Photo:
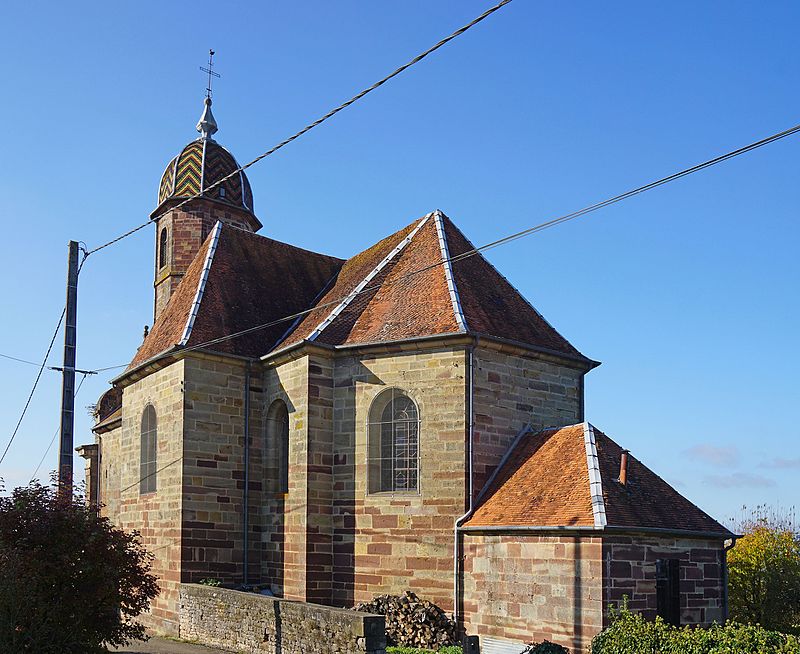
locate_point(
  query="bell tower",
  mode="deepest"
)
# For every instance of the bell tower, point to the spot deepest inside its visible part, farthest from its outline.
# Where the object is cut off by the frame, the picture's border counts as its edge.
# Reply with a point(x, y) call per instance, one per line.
point(200, 186)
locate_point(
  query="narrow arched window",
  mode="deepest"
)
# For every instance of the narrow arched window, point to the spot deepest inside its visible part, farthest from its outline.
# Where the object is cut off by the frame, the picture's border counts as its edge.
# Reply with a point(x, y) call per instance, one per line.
point(277, 468)
point(148, 458)
point(162, 248)
point(393, 443)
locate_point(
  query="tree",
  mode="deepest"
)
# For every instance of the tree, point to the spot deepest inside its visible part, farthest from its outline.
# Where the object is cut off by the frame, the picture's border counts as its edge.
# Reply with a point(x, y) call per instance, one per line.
point(70, 581)
point(764, 574)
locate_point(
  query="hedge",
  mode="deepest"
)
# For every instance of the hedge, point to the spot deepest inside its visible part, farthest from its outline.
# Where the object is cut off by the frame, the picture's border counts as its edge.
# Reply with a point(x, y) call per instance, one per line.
point(630, 633)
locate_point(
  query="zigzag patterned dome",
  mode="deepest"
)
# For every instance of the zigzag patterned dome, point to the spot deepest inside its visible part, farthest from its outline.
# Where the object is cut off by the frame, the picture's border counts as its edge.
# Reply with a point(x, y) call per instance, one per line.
point(202, 163)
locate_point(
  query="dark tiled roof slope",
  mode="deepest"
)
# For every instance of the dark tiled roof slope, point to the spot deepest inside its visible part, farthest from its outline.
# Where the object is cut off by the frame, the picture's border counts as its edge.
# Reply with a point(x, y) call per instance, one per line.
point(493, 306)
point(168, 328)
point(646, 500)
point(545, 483)
point(255, 280)
point(252, 280)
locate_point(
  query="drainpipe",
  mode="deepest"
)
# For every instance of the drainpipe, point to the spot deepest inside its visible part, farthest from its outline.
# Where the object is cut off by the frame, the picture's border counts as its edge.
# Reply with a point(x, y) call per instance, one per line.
point(246, 494)
point(457, 550)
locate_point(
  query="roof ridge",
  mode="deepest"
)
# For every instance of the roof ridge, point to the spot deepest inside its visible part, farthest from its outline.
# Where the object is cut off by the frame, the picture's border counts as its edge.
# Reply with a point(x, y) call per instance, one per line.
point(448, 272)
point(339, 308)
point(201, 286)
point(595, 478)
point(522, 295)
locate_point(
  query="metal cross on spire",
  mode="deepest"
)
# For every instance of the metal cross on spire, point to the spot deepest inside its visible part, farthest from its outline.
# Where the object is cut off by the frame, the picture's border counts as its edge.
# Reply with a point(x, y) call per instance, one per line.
point(210, 71)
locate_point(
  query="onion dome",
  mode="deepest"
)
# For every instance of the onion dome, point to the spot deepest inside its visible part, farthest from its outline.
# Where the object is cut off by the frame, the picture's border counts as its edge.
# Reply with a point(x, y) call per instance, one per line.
point(201, 164)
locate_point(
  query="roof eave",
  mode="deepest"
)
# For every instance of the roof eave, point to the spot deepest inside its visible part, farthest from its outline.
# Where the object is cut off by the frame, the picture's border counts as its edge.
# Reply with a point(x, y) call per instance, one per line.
point(107, 425)
point(449, 338)
point(606, 530)
point(585, 362)
point(169, 203)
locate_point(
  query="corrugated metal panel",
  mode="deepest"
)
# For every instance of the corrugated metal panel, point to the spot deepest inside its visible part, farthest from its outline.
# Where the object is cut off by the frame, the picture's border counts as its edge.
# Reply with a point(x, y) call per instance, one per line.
point(500, 646)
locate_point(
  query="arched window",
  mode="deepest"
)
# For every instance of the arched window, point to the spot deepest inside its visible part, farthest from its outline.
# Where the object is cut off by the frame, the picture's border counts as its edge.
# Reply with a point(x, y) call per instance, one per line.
point(149, 444)
point(162, 248)
point(277, 468)
point(393, 443)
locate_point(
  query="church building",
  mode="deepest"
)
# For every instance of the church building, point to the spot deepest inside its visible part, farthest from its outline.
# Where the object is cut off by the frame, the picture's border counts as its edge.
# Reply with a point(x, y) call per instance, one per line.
point(402, 419)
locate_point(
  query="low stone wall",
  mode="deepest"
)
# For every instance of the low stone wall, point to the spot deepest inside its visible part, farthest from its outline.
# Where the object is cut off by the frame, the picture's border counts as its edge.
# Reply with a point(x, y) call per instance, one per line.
point(251, 623)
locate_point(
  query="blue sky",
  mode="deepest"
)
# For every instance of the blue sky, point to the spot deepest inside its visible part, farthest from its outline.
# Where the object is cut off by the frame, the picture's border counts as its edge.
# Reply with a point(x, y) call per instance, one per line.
point(688, 294)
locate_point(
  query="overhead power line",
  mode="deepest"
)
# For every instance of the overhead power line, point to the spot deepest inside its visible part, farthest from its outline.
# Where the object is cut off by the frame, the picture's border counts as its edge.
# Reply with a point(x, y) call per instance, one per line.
point(35, 384)
point(58, 429)
point(319, 121)
point(507, 239)
point(39, 374)
point(91, 371)
point(30, 363)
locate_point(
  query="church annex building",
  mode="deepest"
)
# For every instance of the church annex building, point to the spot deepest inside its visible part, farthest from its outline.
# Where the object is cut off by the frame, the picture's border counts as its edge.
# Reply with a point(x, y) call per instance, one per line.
point(420, 427)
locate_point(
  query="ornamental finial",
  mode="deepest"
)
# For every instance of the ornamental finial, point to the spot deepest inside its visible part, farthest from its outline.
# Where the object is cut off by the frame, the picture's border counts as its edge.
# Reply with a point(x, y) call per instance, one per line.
point(207, 126)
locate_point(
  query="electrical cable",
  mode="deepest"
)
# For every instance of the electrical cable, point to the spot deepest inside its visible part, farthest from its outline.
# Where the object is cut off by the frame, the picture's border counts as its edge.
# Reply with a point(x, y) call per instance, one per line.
point(58, 429)
point(319, 121)
point(141, 479)
point(7, 356)
point(41, 369)
point(35, 384)
point(506, 239)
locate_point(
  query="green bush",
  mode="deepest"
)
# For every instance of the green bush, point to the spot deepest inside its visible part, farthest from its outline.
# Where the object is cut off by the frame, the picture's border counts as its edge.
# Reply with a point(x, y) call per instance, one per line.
point(630, 633)
point(764, 573)
point(70, 582)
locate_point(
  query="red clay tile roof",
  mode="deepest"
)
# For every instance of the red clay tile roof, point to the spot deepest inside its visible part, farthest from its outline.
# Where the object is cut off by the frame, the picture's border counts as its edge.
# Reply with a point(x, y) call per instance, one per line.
point(254, 280)
point(401, 304)
point(397, 305)
point(545, 483)
point(646, 500)
point(493, 306)
point(168, 328)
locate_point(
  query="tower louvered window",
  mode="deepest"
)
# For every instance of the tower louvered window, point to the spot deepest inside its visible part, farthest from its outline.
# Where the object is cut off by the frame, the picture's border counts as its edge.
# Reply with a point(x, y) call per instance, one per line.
point(393, 443)
point(149, 445)
point(162, 248)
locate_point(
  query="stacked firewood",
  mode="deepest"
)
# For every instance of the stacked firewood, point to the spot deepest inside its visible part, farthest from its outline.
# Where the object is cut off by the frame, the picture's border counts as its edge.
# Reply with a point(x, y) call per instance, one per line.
point(411, 621)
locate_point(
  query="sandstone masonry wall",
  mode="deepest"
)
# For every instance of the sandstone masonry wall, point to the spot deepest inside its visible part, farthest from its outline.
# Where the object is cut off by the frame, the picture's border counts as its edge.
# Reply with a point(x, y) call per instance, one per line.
point(156, 515)
point(283, 515)
point(523, 588)
point(512, 391)
point(109, 463)
point(389, 542)
point(246, 622)
point(213, 470)
point(630, 570)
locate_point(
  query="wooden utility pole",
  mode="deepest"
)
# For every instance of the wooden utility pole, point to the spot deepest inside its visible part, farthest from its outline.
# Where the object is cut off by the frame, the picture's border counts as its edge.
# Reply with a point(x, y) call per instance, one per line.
point(68, 375)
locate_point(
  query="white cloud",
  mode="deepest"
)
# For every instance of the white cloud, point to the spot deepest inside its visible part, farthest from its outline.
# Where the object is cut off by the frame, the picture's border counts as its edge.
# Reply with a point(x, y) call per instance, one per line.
point(713, 454)
point(739, 480)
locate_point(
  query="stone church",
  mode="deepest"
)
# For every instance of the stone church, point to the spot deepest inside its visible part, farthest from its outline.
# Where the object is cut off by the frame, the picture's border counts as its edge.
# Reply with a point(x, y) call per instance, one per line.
point(401, 419)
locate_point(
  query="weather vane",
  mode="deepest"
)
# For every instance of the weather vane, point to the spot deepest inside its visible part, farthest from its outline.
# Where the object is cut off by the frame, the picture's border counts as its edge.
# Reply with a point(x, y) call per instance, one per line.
point(210, 71)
